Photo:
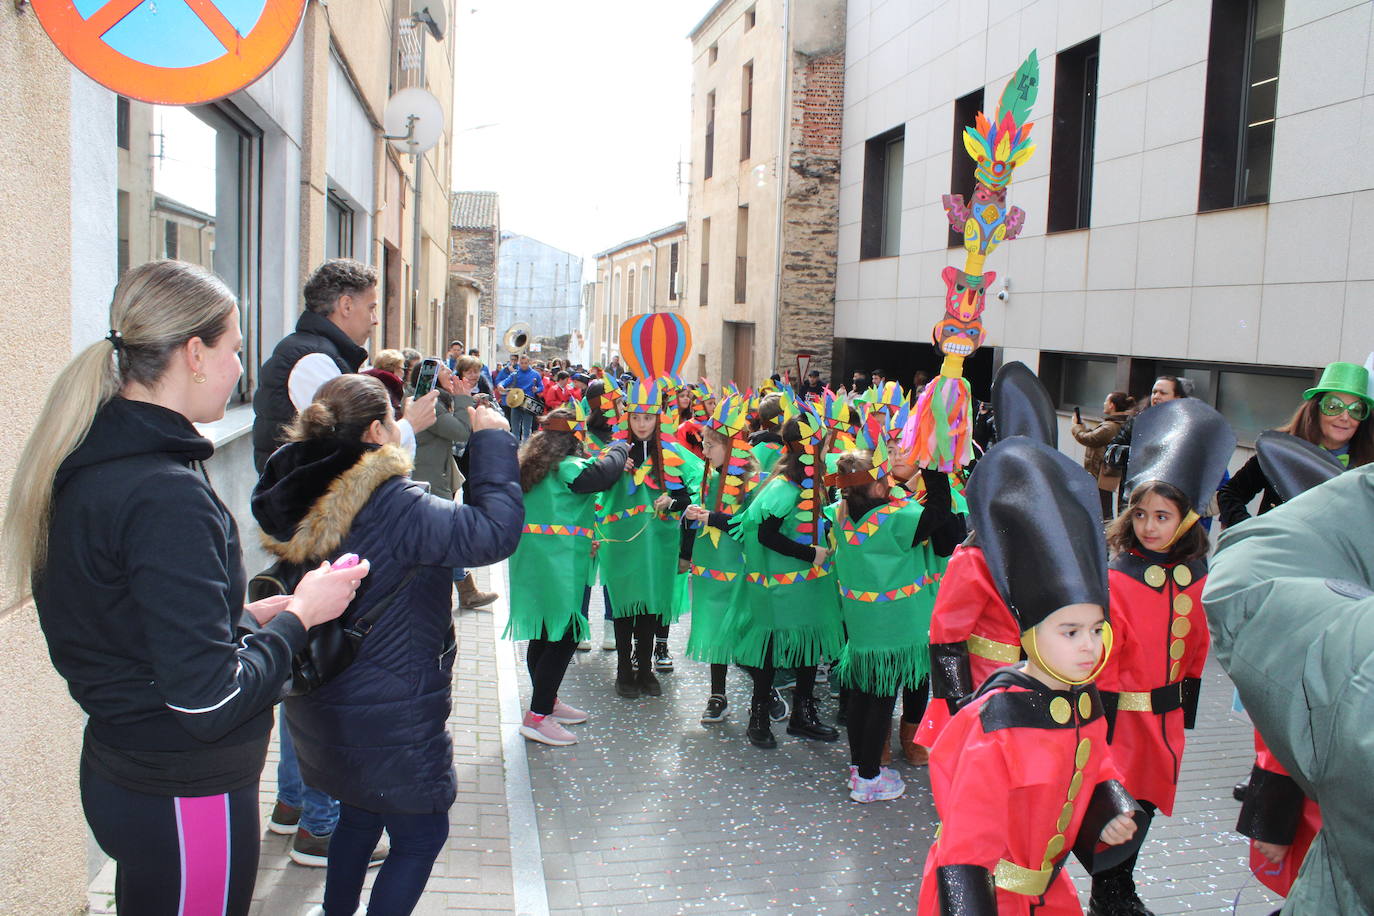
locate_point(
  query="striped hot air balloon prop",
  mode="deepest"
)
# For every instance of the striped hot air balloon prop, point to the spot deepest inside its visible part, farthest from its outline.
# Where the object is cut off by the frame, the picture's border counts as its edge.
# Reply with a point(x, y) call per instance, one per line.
point(655, 345)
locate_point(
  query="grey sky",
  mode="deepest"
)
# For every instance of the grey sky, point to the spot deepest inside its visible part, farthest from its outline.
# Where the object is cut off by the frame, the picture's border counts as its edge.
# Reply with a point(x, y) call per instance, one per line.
point(590, 101)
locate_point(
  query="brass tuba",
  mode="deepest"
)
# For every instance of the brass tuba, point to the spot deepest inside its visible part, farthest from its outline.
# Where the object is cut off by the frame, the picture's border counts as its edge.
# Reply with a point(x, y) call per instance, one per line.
point(517, 338)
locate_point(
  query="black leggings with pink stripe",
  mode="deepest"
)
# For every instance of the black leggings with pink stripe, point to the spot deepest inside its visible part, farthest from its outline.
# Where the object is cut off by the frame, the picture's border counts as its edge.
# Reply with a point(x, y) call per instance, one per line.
point(191, 856)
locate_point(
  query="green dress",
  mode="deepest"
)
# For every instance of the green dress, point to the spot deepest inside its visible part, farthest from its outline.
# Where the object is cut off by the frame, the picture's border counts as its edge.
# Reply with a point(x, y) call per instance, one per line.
point(789, 602)
point(717, 584)
point(767, 455)
point(552, 566)
point(887, 591)
point(639, 548)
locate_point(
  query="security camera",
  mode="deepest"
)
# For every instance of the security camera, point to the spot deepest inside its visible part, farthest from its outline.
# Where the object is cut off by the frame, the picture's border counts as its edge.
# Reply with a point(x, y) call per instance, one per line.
point(1003, 295)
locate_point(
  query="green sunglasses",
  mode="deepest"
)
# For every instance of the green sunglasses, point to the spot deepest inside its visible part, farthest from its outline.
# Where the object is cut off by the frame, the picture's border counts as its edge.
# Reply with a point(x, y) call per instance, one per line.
point(1332, 405)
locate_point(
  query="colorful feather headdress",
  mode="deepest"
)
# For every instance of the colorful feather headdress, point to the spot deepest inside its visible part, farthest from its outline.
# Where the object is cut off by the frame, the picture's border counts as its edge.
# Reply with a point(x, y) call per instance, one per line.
point(871, 437)
point(811, 455)
point(730, 420)
point(643, 397)
point(577, 426)
point(939, 433)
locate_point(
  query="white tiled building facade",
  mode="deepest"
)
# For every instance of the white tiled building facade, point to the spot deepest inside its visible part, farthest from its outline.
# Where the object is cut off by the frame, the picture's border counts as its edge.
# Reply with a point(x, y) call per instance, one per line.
point(1166, 274)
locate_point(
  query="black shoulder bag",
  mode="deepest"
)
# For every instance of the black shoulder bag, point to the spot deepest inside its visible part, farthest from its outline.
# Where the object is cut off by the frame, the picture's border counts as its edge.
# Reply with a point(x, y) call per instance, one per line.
point(330, 647)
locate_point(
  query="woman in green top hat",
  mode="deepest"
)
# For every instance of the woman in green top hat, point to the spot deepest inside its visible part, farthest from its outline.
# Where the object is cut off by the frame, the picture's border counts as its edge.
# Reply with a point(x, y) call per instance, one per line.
point(1334, 415)
point(553, 564)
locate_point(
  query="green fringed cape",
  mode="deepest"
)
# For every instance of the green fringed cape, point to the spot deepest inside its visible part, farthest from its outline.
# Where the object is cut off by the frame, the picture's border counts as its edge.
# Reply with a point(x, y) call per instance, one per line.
point(639, 549)
point(549, 572)
point(887, 592)
point(800, 616)
point(767, 455)
point(717, 579)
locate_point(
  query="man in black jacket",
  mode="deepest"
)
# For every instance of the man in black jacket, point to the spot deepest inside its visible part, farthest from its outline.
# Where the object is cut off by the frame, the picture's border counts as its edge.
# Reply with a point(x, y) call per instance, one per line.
point(340, 312)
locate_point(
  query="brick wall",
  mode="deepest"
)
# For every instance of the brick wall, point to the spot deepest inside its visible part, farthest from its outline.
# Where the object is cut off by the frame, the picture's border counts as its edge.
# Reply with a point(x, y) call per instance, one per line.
point(806, 319)
point(475, 254)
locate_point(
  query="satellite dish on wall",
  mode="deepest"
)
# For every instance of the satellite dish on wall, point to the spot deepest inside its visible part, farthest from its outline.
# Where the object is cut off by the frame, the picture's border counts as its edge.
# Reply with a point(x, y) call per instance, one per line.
point(432, 15)
point(414, 120)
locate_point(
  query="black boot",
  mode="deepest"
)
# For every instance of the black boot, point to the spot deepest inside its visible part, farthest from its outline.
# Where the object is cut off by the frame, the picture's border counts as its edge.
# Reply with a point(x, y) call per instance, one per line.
point(1114, 893)
point(805, 724)
point(760, 735)
point(644, 628)
point(626, 684)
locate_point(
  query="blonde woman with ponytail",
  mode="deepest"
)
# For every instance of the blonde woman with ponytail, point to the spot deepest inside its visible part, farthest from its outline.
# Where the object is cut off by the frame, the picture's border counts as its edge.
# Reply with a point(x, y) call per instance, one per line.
point(138, 579)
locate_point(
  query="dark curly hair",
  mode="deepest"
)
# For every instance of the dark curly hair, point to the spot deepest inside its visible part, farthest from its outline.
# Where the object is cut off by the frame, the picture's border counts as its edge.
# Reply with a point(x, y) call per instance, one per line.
point(334, 278)
point(1121, 532)
point(542, 452)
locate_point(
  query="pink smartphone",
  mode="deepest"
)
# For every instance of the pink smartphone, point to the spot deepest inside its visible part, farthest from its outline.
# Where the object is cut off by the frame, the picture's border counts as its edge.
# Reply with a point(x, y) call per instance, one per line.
point(346, 561)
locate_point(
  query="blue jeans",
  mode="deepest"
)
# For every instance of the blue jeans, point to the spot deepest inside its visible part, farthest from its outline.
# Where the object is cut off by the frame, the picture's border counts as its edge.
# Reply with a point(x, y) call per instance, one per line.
point(521, 423)
point(587, 602)
point(319, 812)
point(416, 841)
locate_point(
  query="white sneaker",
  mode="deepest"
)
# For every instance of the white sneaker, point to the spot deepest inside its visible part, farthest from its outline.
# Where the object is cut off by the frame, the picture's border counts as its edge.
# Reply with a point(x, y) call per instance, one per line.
point(318, 910)
point(875, 789)
point(584, 646)
point(608, 634)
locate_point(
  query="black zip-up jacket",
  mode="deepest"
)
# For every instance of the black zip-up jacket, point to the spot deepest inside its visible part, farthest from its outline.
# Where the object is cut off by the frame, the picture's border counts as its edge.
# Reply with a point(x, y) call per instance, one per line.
point(272, 407)
point(142, 606)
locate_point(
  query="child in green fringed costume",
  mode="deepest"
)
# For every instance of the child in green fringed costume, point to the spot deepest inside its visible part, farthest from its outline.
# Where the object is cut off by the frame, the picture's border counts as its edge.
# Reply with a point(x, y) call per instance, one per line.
point(602, 412)
point(791, 615)
point(638, 528)
point(887, 565)
point(715, 559)
point(764, 440)
point(553, 563)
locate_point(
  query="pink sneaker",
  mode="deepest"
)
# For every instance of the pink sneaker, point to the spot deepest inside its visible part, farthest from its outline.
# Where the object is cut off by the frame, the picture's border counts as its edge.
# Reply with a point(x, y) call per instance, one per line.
point(547, 730)
point(866, 791)
point(568, 715)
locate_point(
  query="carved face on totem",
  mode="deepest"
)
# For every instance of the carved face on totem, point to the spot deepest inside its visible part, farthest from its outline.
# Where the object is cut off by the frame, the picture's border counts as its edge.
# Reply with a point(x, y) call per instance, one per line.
point(958, 338)
point(965, 294)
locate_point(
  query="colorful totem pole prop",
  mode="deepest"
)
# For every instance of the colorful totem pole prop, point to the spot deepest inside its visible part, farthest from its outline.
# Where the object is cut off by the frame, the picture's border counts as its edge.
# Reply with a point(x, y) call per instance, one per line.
point(939, 434)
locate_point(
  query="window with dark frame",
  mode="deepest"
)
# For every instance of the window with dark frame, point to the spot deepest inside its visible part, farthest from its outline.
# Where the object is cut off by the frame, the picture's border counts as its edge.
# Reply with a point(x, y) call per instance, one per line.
point(710, 162)
point(741, 253)
point(338, 227)
point(750, 17)
point(630, 293)
point(705, 261)
point(746, 107)
point(672, 271)
point(1240, 103)
point(880, 226)
point(961, 169)
point(122, 122)
point(711, 54)
point(169, 239)
point(1075, 124)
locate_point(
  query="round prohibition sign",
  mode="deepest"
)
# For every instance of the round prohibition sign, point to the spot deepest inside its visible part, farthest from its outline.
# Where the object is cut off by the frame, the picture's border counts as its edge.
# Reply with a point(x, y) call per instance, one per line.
point(186, 53)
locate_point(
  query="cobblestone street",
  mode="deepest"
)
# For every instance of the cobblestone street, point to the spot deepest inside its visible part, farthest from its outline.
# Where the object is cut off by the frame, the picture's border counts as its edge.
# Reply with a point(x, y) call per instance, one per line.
point(653, 812)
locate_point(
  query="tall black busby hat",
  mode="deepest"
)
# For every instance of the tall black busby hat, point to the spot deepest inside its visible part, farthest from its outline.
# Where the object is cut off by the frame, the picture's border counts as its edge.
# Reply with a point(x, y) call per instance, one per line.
point(1184, 443)
point(1294, 465)
point(1039, 522)
point(1022, 407)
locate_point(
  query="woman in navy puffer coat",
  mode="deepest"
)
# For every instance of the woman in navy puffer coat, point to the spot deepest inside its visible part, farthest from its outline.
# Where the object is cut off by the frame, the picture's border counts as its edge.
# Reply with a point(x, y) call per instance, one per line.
point(376, 737)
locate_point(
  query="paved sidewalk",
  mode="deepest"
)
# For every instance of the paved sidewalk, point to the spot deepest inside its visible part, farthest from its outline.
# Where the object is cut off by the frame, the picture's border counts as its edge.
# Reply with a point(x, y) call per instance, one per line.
point(652, 812)
point(473, 874)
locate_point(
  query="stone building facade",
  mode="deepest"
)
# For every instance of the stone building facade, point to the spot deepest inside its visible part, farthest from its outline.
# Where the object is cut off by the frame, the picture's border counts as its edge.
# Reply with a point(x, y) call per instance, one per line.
point(475, 230)
point(644, 274)
point(289, 170)
point(767, 100)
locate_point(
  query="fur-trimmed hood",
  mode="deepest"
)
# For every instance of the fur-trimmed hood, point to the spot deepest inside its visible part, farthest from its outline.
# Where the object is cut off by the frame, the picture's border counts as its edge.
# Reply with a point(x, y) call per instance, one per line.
point(310, 492)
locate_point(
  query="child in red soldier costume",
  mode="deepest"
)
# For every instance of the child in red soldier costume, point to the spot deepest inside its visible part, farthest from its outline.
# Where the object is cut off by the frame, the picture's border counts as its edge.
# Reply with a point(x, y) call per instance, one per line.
point(1022, 774)
point(972, 633)
point(1279, 819)
point(1179, 452)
